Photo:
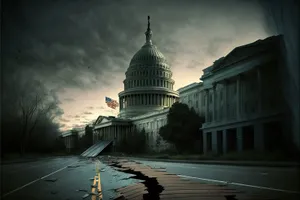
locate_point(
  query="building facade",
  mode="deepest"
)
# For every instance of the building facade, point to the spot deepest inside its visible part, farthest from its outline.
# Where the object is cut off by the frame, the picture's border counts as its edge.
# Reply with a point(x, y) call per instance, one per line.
point(70, 139)
point(192, 95)
point(243, 100)
point(240, 96)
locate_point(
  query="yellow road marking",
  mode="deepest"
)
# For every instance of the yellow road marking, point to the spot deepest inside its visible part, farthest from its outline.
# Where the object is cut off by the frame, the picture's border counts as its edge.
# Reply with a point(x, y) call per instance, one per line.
point(97, 183)
point(94, 197)
point(99, 187)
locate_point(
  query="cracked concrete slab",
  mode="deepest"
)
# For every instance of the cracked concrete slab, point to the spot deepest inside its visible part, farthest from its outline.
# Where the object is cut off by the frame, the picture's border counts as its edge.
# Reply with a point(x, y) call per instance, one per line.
point(157, 184)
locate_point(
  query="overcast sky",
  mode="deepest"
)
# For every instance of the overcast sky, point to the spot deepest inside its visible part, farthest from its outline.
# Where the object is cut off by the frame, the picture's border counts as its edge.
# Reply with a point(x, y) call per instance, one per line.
point(82, 48)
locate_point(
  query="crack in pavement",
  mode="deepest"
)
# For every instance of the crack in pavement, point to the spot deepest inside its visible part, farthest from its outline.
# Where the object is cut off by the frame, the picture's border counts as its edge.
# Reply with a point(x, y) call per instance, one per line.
point(158, 184)
point(152, 185)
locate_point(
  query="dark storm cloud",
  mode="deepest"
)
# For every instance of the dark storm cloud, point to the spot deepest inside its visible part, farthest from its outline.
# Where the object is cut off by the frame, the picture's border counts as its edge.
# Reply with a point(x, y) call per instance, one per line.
point(83, 43)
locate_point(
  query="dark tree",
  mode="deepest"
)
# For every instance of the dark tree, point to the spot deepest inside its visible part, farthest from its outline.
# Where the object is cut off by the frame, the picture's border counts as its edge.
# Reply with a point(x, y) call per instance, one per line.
point(182, 128)
point(134, 143)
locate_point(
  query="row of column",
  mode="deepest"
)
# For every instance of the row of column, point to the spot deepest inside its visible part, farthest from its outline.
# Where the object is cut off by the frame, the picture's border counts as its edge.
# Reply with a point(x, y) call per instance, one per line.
point(158, 72)
point(147, 83)
point(70, 142)
point(147, 99)
point(215, 105)
point(216, 142)
point(115, 132)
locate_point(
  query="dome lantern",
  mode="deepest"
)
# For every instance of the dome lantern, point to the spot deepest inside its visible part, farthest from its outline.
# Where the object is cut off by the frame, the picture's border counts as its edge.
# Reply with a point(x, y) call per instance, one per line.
point(148, 33)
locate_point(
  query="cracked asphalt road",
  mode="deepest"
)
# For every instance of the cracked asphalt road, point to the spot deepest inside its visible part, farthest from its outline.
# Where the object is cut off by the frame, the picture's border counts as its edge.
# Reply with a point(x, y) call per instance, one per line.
point(69, 178)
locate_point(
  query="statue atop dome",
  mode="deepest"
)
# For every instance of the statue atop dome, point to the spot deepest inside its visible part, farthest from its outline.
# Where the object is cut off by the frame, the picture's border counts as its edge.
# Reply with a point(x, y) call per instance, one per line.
point(148, 33)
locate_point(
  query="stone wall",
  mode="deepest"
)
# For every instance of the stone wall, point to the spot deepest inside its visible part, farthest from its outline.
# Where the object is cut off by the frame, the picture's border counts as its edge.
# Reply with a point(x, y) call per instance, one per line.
point(152, 122)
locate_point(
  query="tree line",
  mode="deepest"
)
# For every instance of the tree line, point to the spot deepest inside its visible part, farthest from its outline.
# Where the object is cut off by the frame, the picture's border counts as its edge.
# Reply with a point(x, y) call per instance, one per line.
point(28, 117)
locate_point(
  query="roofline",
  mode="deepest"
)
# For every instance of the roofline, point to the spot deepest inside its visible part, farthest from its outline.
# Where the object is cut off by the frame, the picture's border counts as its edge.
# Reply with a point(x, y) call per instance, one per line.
point(190, 86)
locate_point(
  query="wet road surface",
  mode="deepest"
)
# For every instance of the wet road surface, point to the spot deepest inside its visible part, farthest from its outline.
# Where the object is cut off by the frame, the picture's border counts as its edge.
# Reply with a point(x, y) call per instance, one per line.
point(69, 178)
point(275, 182)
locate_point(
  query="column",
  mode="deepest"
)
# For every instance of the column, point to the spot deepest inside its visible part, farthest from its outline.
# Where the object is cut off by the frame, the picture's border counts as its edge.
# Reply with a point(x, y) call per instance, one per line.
point(159, 99)
point(225, 100)
point(238, 97)
point(259, 90)
point(204, 142)
point(224, 139)
point(144, 98)
point(120, 100)
point(125, 103)
point(214, 141)
point(166, 100)
point(207, 105)
point(213, 103)
point(239, 139)
point(258, 137)
point(133, 100)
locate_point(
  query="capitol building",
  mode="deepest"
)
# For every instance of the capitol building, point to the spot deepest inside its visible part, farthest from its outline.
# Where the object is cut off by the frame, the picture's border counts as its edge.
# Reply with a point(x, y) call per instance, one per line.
point(240, 96)
point(148, 93)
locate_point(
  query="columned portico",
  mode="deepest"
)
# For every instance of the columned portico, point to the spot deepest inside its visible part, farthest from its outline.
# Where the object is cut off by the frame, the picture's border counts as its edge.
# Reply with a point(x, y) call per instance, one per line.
point(245, 100)
point(113, 129)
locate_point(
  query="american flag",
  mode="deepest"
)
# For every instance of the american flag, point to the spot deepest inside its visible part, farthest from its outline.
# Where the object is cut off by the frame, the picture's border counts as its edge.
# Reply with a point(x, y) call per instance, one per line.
point(111, 103)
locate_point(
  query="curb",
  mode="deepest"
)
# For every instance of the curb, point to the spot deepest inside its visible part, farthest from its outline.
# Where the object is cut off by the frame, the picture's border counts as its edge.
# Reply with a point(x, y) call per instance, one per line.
point(232, 163)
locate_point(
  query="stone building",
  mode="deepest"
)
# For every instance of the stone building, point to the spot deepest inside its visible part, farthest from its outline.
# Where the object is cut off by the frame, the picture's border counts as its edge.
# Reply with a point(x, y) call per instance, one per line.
point(240, 96)
point(243, 101)
point(192, 96)
point(148, 93)
point(70, 139)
